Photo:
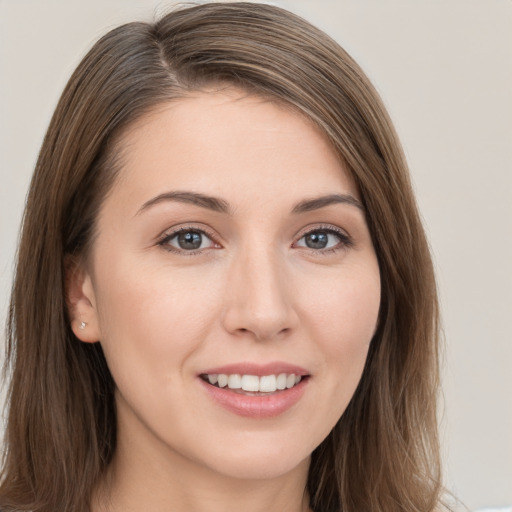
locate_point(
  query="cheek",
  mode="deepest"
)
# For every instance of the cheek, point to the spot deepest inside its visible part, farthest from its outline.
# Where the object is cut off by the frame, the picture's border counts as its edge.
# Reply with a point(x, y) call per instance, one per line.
point(153, 316)
point(343, 320)
point(345, 310)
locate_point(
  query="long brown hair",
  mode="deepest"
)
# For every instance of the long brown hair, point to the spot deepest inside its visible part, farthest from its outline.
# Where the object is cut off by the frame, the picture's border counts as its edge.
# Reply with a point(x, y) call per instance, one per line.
point(383, 454)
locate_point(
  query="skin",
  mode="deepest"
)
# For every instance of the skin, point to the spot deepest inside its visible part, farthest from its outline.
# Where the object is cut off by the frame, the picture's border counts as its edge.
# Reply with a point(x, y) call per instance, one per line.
point(254, 291)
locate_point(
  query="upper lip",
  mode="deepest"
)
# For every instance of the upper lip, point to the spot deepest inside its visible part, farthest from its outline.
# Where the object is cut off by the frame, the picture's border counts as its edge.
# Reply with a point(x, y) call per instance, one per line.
point(250, 368)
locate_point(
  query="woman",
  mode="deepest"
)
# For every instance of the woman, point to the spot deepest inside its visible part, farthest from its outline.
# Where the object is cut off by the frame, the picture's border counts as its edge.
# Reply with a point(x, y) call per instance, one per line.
point(224, 295)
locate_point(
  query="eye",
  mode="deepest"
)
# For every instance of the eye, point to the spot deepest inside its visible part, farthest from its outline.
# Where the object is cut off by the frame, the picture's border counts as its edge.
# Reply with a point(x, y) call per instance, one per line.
point(187, 240)
point(324, 239)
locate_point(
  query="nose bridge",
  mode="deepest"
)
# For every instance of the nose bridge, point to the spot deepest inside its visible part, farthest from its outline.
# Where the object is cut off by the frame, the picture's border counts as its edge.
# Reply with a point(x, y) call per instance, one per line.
point(258, 298)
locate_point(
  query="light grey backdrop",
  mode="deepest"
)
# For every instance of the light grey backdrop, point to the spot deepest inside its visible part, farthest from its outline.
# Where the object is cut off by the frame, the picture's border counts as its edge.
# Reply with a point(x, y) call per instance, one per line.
point(444, 69)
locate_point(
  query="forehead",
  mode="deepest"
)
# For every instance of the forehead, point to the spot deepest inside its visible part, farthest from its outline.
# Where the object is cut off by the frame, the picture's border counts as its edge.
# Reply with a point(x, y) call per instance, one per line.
point(214, 141)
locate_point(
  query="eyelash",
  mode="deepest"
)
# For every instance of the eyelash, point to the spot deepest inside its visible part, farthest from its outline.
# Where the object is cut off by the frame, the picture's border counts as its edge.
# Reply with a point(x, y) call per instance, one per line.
point(167, 237)
point(345, 241)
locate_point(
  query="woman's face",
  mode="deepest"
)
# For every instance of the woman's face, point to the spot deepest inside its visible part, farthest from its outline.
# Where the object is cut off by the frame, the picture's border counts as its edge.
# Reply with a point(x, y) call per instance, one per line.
point(232, 248)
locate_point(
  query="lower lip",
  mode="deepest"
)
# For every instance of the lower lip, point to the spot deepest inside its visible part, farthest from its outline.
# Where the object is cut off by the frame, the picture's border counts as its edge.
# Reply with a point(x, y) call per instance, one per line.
point(256, 406)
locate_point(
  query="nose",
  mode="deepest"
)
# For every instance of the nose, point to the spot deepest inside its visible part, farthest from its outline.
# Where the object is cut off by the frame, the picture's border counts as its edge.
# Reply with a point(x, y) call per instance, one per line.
point(258, 297)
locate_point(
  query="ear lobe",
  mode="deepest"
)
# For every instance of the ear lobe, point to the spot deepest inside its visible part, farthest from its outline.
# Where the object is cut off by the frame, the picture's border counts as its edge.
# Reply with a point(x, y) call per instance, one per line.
point(81, 303)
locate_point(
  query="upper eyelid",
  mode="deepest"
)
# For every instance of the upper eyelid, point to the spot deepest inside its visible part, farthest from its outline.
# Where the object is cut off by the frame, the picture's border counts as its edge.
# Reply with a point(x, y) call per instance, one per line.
point(323, 227)
point(171, 232)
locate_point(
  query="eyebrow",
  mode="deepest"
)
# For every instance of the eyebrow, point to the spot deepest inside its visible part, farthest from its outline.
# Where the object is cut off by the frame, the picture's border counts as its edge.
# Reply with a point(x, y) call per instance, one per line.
point(211, 203)
point(221, 206)
point(321, 202)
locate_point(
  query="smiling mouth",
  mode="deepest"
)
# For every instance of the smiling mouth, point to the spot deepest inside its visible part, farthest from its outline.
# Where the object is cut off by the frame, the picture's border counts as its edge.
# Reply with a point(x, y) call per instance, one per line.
point(253, 385)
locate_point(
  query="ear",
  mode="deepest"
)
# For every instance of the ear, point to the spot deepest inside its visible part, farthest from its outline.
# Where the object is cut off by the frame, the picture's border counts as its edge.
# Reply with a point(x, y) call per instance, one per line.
point(81, 302)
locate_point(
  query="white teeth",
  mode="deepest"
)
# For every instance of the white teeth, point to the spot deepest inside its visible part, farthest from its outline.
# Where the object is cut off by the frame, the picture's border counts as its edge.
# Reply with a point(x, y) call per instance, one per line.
point(222, 380)
point(281, 381)
point(250, 383)
point(235, 381)
point(268, 383)
point(253, 383)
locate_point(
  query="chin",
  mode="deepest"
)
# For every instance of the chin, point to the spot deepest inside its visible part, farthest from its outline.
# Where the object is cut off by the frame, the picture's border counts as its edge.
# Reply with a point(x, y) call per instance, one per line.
point(262, 468)
point(258, 459)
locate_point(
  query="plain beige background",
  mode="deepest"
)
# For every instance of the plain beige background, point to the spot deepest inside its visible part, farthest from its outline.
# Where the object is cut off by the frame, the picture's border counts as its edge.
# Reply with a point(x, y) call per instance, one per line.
point(444, 69)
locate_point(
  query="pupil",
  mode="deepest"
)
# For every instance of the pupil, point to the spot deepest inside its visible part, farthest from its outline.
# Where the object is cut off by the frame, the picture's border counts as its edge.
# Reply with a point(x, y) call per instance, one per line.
point(189, 240)
point(317, 240)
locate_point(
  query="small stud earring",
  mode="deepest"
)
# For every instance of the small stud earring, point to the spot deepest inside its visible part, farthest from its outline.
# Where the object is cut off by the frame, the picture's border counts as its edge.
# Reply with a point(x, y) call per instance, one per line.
point(82, 325)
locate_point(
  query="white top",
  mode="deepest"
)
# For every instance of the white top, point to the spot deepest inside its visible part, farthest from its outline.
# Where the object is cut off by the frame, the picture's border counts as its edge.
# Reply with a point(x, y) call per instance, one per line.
point(502, 509)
